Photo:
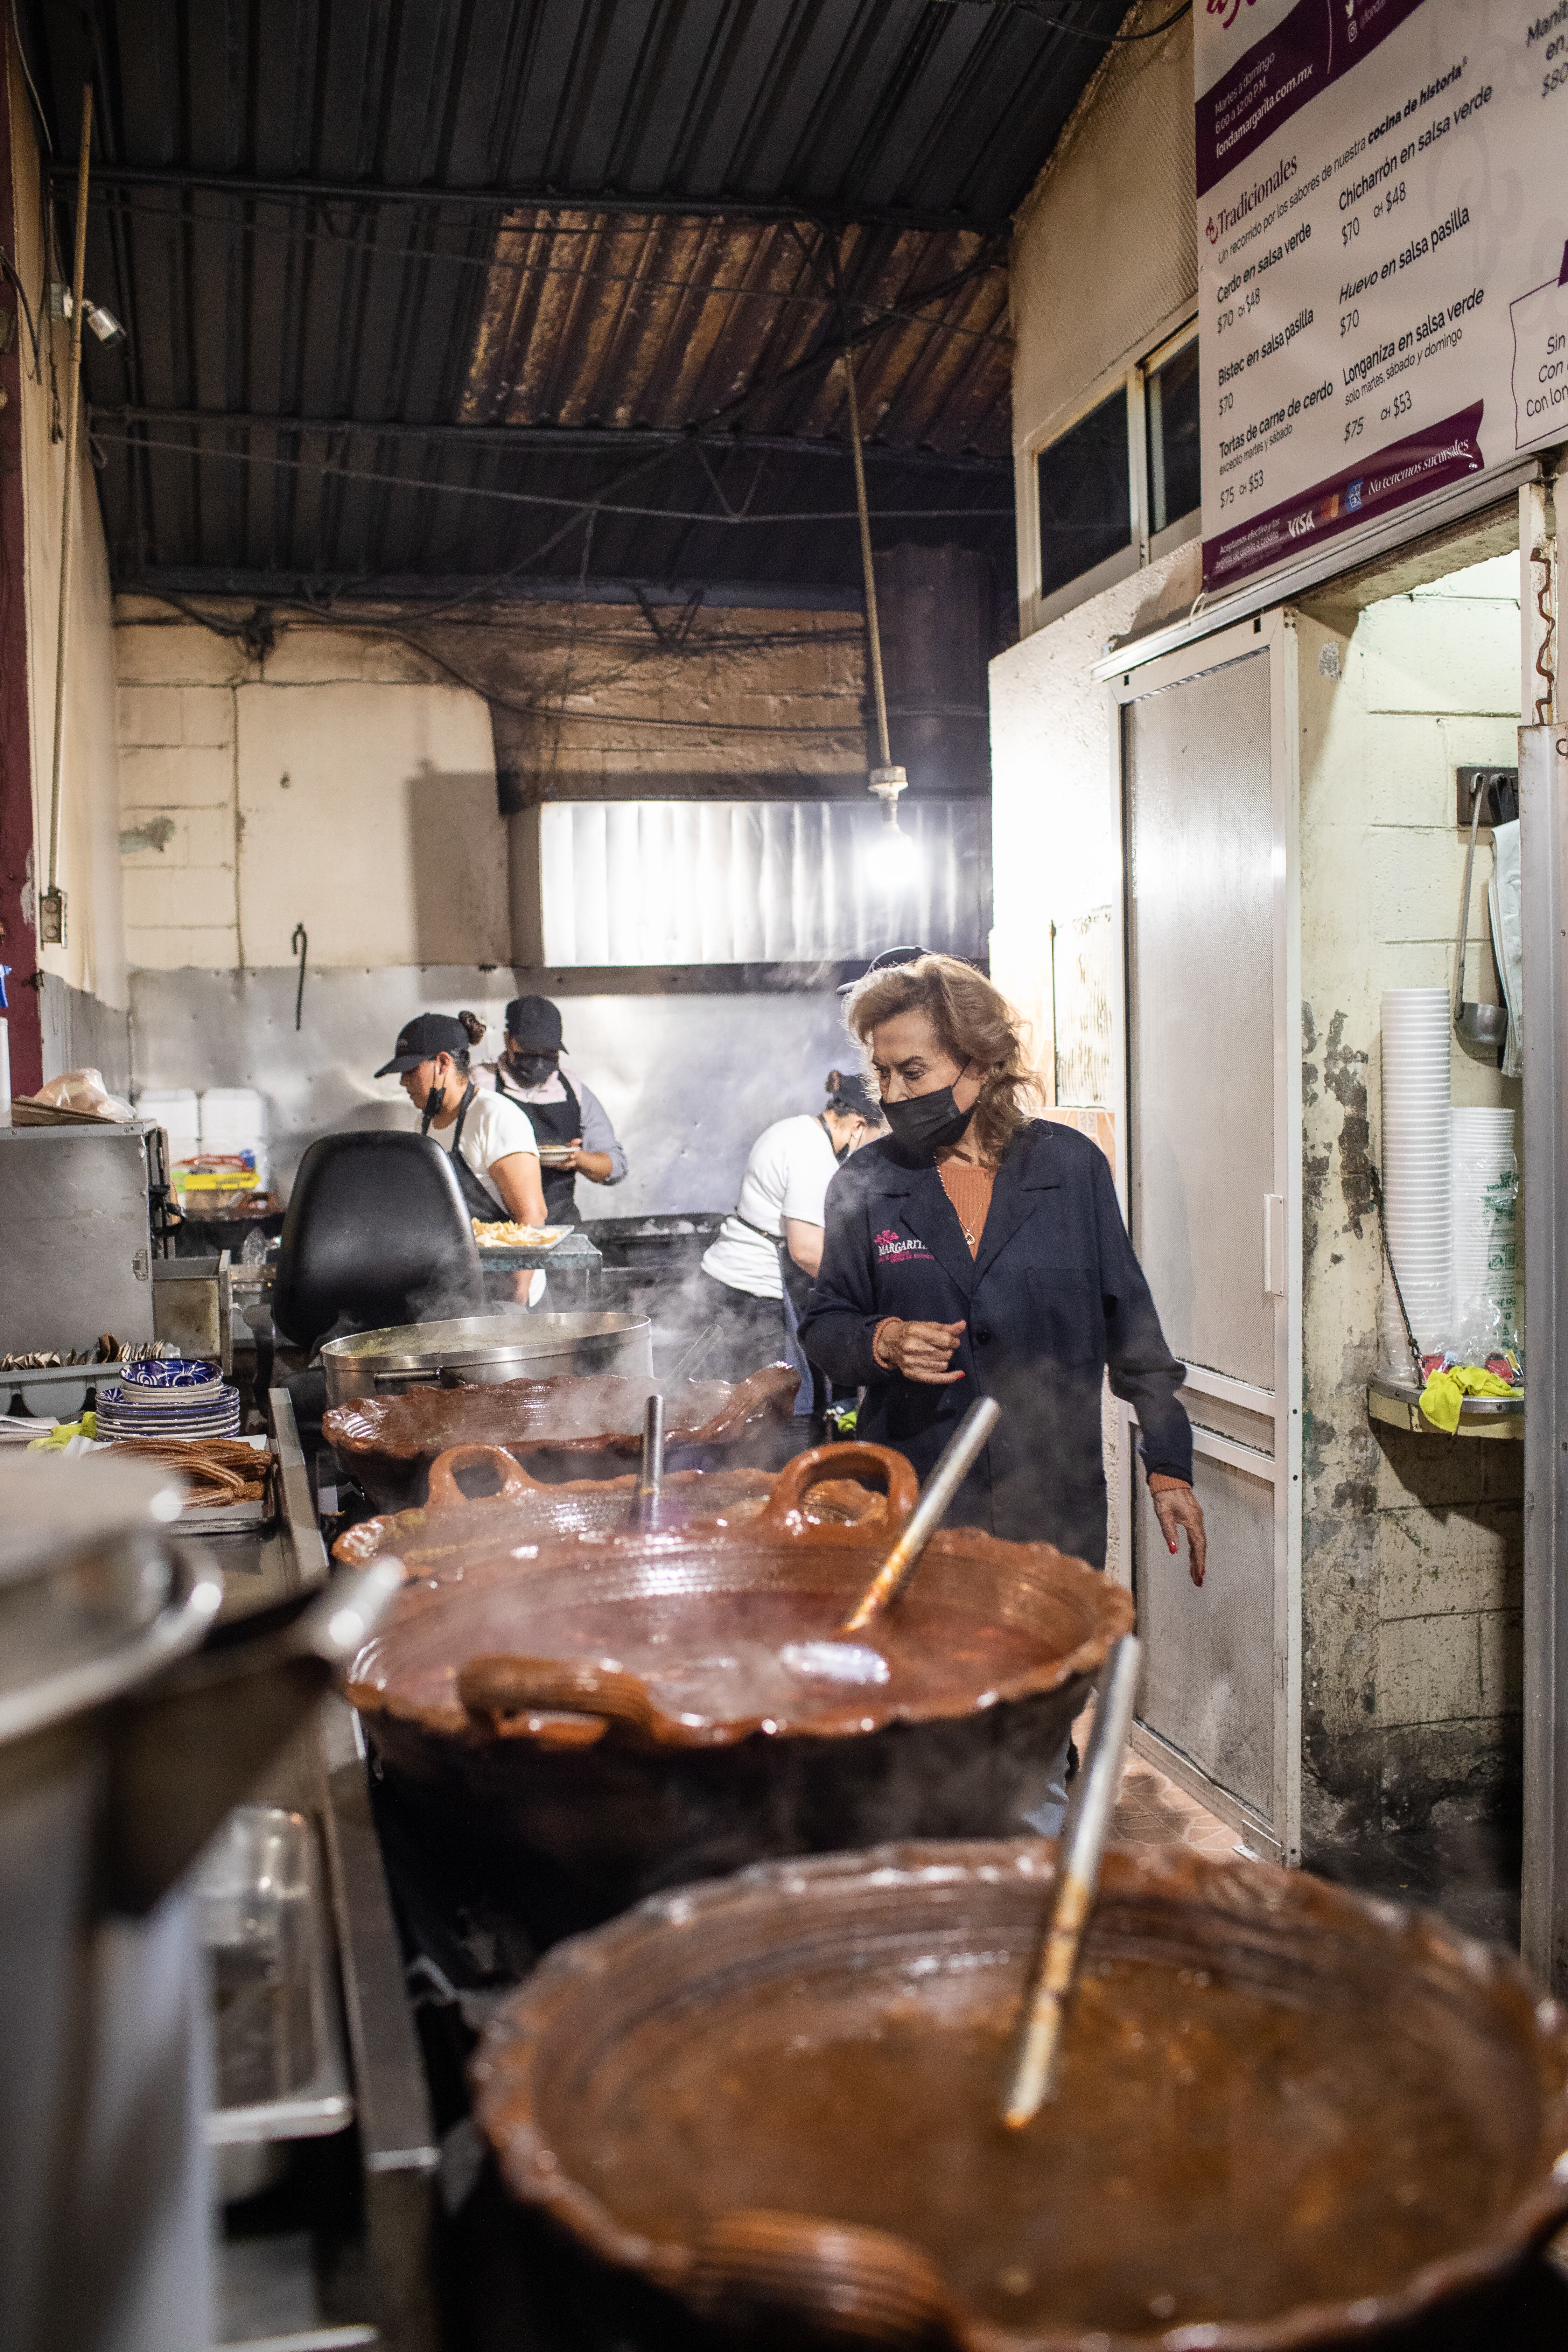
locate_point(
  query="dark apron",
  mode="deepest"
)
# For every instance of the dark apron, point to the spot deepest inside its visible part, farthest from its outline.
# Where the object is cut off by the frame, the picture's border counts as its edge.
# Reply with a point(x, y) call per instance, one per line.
point(481, 1202)
point(559, 1122)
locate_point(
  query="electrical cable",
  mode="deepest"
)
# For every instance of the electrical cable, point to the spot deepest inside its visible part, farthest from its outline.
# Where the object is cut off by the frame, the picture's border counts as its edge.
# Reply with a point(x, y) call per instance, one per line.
point(32, 85)
point(493, 265)
point(327, 470)
point(10, 270)
point(222, 626)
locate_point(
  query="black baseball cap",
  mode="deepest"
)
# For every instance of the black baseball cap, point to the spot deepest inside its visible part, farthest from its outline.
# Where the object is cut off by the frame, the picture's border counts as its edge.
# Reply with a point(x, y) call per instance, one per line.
point(888, 960)
point(849, 1092)
point(421, 1039)
point(533, 1023)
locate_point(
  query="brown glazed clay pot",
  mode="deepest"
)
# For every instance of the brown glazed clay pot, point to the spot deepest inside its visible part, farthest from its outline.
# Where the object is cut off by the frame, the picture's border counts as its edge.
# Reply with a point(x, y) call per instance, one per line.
point(1286, 2116)
point(616, 1718)
point(576, 1427)
point(455, 1530)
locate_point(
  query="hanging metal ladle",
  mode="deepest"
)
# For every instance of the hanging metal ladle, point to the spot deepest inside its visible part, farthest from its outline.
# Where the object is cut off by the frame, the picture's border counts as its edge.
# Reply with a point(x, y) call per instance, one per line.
point(1479, 1028)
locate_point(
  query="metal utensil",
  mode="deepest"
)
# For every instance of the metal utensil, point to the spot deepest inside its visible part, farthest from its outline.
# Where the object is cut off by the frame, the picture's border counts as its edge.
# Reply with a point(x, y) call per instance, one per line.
point(1083, 1849)
point(644, 1512)
point(1479, 1028)
point(928, 1513)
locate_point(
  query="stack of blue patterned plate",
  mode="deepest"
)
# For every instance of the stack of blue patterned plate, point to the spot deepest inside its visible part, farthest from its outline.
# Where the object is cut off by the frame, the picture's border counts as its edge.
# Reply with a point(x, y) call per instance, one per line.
point(168, 1397)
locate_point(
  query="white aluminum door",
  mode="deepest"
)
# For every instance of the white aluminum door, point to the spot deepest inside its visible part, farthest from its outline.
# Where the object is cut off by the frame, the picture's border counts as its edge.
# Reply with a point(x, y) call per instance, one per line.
point(1207, 775)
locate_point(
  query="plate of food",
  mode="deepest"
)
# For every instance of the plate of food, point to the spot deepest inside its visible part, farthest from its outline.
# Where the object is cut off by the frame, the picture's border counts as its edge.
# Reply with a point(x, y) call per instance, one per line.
point(506, 1233)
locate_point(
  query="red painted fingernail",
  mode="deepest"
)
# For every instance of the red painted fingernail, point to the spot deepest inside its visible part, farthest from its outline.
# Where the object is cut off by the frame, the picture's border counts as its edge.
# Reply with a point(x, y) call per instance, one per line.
point(1172, 1547)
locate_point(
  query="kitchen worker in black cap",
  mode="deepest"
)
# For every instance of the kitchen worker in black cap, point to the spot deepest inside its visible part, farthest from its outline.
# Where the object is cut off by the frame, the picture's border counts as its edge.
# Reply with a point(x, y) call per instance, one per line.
point(571, 1123)
point(495, 1156)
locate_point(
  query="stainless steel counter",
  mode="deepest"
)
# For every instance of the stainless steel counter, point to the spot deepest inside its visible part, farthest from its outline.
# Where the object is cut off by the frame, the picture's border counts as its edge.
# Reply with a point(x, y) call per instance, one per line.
point(287, 2283)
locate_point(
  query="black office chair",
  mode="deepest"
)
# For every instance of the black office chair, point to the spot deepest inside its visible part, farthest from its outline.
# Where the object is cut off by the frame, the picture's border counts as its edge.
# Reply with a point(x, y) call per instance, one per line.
point(376, 1233)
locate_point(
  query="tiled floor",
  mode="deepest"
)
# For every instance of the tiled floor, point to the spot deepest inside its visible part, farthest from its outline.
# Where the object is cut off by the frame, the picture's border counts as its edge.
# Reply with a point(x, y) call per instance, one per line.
point(1151, 1813)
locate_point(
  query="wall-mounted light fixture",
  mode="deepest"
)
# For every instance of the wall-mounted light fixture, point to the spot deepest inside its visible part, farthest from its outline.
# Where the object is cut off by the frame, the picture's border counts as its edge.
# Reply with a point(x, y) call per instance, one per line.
point(103, 323)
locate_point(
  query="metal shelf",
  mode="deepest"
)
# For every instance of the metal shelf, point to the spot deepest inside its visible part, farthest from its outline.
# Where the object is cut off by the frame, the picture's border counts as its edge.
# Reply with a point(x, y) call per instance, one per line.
point(1398, 1404)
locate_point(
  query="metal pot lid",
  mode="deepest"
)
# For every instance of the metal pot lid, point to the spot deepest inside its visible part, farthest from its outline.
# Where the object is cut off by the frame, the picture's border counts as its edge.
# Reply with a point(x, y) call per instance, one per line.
point(52, 1511)
point(476, 1339)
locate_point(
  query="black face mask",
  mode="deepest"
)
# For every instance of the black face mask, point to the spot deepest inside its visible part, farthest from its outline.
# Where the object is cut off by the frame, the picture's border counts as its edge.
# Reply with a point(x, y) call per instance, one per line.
point(435, 1103)
point(923, 1124)
point(531, 1069)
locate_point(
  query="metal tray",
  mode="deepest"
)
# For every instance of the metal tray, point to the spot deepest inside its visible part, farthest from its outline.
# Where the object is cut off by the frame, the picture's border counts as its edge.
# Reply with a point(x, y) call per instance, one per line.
point(280, 2072)
point(1398, 1404)
point(506, 1345)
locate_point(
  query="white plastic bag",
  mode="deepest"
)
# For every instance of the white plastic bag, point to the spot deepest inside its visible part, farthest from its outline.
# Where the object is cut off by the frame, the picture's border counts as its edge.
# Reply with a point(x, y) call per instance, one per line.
point(84, 1090)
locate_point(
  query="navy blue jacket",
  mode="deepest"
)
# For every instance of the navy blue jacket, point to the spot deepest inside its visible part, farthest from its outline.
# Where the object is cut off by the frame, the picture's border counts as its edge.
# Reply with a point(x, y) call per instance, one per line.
point(1054, 1298)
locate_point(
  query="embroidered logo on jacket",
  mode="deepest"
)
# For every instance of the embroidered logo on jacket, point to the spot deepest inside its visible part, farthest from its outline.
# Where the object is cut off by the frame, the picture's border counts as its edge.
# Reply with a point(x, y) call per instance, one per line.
point(889, 1245)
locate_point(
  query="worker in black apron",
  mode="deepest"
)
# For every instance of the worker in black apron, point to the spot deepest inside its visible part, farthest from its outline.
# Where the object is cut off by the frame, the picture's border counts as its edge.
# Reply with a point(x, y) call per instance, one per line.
point(574, 1131)
point(490, 1138)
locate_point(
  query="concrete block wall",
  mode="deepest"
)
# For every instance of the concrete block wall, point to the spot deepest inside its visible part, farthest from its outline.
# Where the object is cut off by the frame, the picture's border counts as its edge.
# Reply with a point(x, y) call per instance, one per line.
point(1412, 1546)
point(337, 780)
point(348, 780)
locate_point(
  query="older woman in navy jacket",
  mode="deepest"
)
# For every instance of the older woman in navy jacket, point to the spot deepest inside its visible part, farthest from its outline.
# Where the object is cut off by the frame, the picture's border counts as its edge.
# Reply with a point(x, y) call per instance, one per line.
point(979, 1251)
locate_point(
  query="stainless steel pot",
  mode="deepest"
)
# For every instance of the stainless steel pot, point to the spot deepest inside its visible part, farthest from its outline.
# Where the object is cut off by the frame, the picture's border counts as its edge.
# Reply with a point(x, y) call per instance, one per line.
point(129, 1726)
point(486, 1347)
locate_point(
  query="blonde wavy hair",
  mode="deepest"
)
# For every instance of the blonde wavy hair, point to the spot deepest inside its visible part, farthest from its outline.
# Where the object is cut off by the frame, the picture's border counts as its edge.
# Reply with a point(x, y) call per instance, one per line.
point(974, 1023)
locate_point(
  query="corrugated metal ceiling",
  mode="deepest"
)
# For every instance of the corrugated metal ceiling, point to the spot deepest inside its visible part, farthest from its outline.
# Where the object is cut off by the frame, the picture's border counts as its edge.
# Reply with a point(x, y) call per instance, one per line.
point(343, 235)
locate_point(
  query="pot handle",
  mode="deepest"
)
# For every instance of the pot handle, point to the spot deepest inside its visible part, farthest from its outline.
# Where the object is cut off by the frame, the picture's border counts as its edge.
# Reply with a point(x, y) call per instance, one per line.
point(759, 2272)
point(500, 1688)
point(891, 1470)
point(446, 1494)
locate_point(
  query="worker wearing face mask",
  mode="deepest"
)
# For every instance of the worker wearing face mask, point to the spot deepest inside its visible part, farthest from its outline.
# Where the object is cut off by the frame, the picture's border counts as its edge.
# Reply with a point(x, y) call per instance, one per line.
point(576, 1138)
point(757, 1273)
point(494, 1156)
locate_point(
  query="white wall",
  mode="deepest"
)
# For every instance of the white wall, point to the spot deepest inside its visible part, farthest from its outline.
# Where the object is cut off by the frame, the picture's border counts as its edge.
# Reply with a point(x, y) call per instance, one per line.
point(1104, 255)
point(338, 782)
point(92, 959)
point(1056, 830)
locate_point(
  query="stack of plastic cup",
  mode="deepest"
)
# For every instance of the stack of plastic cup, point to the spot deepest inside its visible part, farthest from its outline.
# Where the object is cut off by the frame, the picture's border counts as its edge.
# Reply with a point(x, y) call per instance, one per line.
point(1417, 1170)
point(1485, 1200)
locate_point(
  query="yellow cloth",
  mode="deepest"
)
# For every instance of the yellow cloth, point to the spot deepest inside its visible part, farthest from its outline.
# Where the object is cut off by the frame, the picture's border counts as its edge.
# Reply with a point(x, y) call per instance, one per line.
point(1441, 1397)
point(60, 1436)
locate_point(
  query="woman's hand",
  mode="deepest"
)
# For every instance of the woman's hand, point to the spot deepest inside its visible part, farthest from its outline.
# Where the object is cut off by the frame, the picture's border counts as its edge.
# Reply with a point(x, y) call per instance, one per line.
point(1176, 1507)
point(919, 1350)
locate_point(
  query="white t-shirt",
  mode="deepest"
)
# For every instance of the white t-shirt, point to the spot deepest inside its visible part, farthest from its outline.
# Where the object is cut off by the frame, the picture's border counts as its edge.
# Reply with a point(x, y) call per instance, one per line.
point(787, 1175)
point(493, 1128)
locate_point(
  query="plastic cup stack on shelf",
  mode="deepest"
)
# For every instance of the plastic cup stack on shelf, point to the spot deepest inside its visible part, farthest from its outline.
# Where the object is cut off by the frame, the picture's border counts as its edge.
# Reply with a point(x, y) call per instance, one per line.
point(1485, 1208)
point(1417, 1172)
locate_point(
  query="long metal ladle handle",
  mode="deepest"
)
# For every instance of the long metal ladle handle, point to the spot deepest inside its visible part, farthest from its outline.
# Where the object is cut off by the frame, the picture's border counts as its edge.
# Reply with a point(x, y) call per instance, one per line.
point(1044, 2008)
point(1476, 790)
point(650, 1472)
point(928, 1513)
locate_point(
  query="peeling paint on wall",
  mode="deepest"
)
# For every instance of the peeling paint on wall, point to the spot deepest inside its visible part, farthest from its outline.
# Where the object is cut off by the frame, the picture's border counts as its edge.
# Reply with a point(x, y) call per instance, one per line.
point(156, 833)
point(1411, 1547)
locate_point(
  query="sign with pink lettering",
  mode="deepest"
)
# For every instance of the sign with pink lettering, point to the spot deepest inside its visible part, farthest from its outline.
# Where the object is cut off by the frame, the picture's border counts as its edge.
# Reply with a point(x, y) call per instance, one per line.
point(1383, 259)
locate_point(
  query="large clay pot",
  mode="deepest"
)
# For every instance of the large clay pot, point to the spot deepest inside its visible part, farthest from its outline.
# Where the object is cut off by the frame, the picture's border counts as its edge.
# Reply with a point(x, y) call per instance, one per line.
point(457, 1530)
point(612, 1716)
point(564, 1429)
point(1287, 2115)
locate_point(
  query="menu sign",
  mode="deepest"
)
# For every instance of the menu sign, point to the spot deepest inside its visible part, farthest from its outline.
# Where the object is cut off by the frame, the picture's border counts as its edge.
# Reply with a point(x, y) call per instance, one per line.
point(1382, 259)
